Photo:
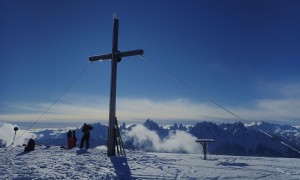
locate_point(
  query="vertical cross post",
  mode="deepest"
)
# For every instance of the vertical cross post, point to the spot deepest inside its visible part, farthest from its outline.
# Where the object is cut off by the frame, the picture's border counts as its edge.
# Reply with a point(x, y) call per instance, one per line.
point(115, 57)
point(113, 91)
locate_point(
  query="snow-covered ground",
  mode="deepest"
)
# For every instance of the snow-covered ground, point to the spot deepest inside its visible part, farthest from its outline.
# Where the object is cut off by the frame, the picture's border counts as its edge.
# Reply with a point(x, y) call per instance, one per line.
point(57, 163)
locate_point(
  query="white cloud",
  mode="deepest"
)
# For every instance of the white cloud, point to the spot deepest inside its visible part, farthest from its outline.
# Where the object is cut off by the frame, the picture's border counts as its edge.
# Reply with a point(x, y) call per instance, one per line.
point(7, 134)
point(96, 108)
point(291, 90)
point(273, 109)
point(177, 142)
point(79, 108)
point(73, 109)
point(178, 109)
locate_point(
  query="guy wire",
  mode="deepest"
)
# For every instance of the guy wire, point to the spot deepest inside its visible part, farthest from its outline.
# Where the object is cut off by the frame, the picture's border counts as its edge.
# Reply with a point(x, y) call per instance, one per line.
point(56, 100)
point(162, 71)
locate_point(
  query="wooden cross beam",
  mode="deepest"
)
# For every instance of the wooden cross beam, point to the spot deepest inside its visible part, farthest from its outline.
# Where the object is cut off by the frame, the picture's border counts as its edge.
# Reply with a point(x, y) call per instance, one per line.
point(116, 57)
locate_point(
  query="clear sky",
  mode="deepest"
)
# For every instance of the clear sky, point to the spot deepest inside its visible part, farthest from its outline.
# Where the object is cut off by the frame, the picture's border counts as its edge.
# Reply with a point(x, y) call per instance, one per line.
point(242, 54)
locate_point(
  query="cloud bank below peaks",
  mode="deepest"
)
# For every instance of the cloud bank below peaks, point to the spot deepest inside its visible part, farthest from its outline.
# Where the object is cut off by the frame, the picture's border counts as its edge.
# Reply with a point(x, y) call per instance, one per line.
point(177, 142)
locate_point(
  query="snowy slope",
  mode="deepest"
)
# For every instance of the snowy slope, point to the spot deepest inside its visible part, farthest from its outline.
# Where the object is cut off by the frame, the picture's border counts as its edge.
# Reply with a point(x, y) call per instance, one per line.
point(57, 163)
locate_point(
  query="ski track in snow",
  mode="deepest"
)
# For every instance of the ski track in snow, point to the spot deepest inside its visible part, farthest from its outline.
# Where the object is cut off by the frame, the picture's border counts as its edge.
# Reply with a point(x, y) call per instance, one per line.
point(57, 163)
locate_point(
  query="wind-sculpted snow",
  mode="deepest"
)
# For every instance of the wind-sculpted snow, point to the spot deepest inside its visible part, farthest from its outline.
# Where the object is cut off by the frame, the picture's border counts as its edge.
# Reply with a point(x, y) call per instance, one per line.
point(58, 163)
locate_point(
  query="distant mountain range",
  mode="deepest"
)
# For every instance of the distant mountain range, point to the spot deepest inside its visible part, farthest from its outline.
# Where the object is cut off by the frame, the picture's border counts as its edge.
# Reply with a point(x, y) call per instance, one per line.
point(230, 139)
point(239, 139)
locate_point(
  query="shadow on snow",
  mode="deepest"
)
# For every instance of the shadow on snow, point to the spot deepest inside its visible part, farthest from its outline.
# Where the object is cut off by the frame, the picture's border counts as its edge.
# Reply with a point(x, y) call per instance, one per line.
point(82, 151)
point(232, 164)
point(22, 153)
point(121, 167)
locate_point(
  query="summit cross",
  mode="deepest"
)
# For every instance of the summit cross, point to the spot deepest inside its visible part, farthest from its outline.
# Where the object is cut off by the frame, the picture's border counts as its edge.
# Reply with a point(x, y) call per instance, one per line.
point(115, 57)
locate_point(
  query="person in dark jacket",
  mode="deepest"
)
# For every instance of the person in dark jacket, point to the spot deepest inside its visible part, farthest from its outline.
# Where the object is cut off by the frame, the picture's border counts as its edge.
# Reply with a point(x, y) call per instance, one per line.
point(86, 135)
point(30, 146)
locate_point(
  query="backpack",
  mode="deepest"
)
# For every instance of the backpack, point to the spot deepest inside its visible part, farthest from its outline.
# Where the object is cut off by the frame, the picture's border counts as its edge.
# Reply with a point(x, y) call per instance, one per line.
point(71, 143)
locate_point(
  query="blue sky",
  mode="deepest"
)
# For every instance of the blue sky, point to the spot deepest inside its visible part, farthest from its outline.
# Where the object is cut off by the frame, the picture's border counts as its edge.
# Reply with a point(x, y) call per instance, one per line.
point(242, 54)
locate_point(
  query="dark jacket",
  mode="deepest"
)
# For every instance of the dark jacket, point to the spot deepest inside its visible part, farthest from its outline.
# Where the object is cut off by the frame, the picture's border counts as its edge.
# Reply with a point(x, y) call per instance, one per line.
point(86, 129)
point(30, 146)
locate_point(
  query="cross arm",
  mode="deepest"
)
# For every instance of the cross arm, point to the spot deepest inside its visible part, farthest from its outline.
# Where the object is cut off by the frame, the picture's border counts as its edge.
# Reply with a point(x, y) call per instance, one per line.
point(100, 57)
point(130, 53)
point(117, 54)
point(205, 140)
